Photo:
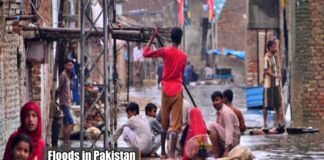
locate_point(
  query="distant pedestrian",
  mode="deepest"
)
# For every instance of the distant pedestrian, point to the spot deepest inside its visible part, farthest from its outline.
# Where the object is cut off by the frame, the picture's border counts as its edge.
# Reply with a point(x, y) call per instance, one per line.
point(187, 73)
point(208, 72)
point(194, 75)
point(65, 98)
point(174, 61)
point(272, 96)
point(138, 58)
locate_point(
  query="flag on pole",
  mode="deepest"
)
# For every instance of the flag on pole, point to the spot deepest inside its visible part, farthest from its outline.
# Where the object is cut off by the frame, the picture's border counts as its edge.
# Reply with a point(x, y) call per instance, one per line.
point(186, 13)
point(211, 10)
point(218, 6)
point(283, 4)
point(181, 11)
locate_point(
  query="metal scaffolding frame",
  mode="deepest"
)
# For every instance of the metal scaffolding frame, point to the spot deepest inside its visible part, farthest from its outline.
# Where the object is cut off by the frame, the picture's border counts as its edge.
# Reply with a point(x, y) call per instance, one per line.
point(87, 20)
point(107, 34)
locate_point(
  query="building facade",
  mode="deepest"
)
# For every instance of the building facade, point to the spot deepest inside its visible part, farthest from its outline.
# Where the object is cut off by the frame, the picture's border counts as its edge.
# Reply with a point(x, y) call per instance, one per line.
point(306, 50)
point(21, 80)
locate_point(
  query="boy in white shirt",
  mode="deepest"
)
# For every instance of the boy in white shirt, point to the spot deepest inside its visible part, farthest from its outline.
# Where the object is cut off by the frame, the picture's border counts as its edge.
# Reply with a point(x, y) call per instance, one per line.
point(136, 131)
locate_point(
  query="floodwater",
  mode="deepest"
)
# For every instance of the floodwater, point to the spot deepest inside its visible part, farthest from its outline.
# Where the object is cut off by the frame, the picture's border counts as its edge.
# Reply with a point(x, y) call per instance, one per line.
point(303, 146)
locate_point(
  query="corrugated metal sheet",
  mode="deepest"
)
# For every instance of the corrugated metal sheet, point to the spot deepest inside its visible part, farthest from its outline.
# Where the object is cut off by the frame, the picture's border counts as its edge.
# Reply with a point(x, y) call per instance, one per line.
point(254, 97)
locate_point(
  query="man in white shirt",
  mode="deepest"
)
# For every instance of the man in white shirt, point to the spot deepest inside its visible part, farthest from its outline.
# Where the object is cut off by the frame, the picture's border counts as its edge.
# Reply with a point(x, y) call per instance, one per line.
point(208, 72)
point(138, 57)
point(136, 131)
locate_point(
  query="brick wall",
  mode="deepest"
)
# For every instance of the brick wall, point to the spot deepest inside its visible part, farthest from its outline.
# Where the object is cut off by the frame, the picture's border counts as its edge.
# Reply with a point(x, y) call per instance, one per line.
point(193, 34)
point(13, 74)
point(12, 85)
point(232, 25)
point(44, 10)
point(232, 33)
point(11, 8)
point(12, 79)
point(307, 91)
point(251, 61)
point(2, 19)
point(35, 82)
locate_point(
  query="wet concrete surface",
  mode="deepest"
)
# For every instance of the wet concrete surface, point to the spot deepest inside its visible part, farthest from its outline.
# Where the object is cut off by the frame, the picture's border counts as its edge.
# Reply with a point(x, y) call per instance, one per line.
point(304, 146)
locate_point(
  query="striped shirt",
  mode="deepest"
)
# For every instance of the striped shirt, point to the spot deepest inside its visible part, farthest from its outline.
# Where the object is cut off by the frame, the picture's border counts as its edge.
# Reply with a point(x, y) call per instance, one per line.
point(270, 63)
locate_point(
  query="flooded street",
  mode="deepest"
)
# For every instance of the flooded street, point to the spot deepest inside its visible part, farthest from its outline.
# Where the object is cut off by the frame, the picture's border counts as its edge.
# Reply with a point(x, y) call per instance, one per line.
point(304, 146)
point(201, 94)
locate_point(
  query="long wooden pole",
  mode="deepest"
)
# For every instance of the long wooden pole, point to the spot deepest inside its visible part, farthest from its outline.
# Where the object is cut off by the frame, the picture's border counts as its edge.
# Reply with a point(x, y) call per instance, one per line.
point(258, 58)
point(281, 49)
point(128, 70)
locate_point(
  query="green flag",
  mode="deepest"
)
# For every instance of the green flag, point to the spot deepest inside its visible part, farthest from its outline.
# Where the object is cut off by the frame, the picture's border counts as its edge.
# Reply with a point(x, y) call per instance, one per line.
point(186, 13)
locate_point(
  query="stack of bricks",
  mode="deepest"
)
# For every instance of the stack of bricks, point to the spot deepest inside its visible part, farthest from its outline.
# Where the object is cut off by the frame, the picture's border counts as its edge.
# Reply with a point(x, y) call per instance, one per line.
point(307, 94)
point(11, 8)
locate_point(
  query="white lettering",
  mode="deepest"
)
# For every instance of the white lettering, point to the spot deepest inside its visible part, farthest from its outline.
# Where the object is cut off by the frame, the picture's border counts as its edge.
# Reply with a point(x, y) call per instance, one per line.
point(76, 156)
point(96, 154)
point(58, 156)
point(108, 155)
point(116, 155)
point(50, 155)
point(86, 155)
point(132, 155)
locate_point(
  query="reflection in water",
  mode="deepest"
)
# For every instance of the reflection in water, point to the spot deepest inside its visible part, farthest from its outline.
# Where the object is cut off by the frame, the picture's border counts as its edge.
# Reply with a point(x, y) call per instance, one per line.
point(305, 146)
